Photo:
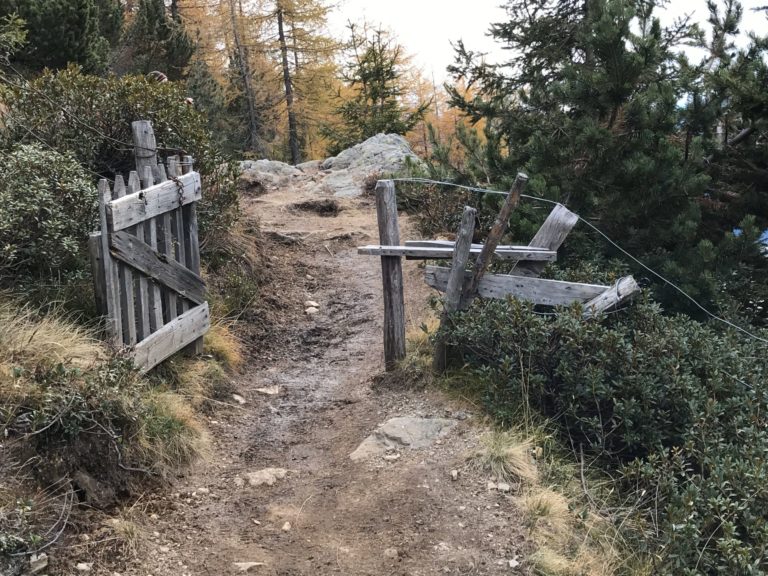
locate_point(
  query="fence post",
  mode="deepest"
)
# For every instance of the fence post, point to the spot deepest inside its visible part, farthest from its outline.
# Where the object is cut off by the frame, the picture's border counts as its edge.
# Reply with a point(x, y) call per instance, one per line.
point(111, 280)
point(455, 287)
point(392, 275)
point(189, 237)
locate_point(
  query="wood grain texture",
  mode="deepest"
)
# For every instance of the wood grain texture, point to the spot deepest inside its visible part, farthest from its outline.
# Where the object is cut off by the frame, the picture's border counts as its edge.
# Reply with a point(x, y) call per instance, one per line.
point(535, 290)
point(154, 201)
point(439, 253)
point(451, 244)
point(497, 231)
point(455, 282)
point(192, 243)
point(111, 277)
point(550, 236)
point(158, 266)
point(623, 289)
point(172, 337)
point(392, 275)
point(127, 292)
point(97, 268)
point(143, 325)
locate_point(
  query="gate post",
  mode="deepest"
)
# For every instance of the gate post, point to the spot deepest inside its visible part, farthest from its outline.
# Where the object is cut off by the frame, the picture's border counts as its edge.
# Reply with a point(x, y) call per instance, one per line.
point(392, 275)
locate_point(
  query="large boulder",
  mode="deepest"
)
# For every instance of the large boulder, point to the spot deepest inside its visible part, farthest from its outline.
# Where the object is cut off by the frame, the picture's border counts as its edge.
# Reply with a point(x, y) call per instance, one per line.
point(257, 175)
point(383, 153)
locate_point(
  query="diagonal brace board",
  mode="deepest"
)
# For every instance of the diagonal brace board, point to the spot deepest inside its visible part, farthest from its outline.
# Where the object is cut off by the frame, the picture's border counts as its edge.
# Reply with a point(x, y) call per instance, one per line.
point(161, 267)
point(154, 201)
point(535, 290)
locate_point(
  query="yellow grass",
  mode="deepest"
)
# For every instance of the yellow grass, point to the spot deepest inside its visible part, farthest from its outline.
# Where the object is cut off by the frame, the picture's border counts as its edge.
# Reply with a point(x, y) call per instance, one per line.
point(30, 341)
point(507, 457)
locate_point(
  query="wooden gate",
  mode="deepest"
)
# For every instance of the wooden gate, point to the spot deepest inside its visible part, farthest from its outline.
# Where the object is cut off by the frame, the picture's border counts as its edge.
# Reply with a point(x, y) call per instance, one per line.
point(146, 259)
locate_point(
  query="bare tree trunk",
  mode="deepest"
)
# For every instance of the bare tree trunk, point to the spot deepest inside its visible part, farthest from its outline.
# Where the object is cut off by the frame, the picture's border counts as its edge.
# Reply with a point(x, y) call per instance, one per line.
point(242, 53)
point(293, 131)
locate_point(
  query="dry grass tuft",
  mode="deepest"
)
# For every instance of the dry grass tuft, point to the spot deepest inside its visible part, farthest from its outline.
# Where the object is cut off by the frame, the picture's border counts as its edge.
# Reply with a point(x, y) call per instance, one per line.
point(507, 457)
point(172, 437)
point(546, 511)
point(30, 340)
point(224, 346)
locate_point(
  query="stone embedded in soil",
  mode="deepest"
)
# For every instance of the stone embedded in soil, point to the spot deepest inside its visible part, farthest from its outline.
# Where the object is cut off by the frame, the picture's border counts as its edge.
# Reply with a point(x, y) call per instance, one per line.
point(84, 567)
point(454, 475)
point(38, 562)
point(239, 399)
point(312, 310)
point(246, 566)
point(269, 390)
point(287, 527)
point(503, 487)
point(266, 476)
point(402, 432)
point(391, 553)
point(311, 304)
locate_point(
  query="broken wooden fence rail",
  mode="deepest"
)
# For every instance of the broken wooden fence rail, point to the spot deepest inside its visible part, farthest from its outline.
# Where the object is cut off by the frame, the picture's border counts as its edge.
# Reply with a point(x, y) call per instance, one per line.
point(462, 286)
point(146, 258)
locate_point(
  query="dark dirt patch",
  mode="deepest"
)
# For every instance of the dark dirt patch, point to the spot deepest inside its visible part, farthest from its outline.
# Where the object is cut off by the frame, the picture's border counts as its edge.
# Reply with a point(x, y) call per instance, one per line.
point(323, 207)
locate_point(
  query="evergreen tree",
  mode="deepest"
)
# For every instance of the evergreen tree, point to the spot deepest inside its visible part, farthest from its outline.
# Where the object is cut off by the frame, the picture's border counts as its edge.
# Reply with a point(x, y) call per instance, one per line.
point(60, 32)
point(375, 77)
point(589, 106)
point(156, 40)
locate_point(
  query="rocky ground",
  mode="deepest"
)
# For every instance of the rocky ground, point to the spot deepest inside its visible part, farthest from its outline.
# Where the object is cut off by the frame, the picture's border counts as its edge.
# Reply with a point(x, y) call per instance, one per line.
point(293, 487)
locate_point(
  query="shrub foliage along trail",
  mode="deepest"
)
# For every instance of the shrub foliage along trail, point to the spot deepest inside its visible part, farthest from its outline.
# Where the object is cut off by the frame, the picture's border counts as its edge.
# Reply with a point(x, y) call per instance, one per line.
point(677, 408)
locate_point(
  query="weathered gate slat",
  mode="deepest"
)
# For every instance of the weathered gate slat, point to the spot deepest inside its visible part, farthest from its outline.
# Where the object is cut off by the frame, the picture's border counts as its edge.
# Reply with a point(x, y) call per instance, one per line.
point(435, 253)
point(155, 201)
point(143, 325)
point(127, 293)
point(536, 290)
point(109, 266)
point(172, 337)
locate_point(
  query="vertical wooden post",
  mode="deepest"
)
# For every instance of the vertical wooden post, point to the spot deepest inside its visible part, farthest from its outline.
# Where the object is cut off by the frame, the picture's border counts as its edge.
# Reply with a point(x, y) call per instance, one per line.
point(127, 293)
point(392, 275)
point(143, 325)
point(111, 280)
point(97, 268)
point(456, 278)
point(191, 241)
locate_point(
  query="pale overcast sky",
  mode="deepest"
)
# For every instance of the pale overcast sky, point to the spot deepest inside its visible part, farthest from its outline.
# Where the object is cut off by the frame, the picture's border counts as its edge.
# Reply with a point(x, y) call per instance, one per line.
point(426, 28)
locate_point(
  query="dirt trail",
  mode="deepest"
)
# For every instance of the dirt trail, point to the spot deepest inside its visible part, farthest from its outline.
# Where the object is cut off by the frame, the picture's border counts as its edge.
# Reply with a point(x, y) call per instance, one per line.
point(404, 516)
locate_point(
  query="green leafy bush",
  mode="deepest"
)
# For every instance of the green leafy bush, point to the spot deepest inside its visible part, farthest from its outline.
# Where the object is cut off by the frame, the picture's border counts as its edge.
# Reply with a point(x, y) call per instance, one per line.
point(675, 406)
point(48, 206)
point(90, 117)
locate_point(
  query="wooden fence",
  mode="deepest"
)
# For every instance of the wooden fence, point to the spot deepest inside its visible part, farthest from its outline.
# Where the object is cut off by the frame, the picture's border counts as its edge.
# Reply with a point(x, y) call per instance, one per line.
point(146, 258)
point(462, 286)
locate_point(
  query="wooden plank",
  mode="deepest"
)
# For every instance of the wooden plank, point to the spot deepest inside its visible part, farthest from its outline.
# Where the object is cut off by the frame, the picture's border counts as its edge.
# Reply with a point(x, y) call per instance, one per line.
point(97, 270)
point(160, 267)
point(144, 149)
point(143, 326)
point(192, 243)
point(165, 246)
point(550, 236)
point(497, 231)
point(451, 244)
point(127, 294)
point(455, 283)
point(150, 237)
point(111, 279)
point(535, 290)
point(427, 253)
point(172, 337)
point(392, 275)
point(624, 288)
point(154, 201)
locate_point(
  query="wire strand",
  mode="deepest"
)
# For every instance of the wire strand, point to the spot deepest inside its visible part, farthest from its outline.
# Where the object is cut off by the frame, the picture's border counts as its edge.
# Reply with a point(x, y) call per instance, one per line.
point(605, 237)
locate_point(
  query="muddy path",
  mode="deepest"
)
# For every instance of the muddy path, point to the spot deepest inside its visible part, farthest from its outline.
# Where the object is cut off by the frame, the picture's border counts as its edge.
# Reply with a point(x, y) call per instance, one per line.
point(403, 514)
